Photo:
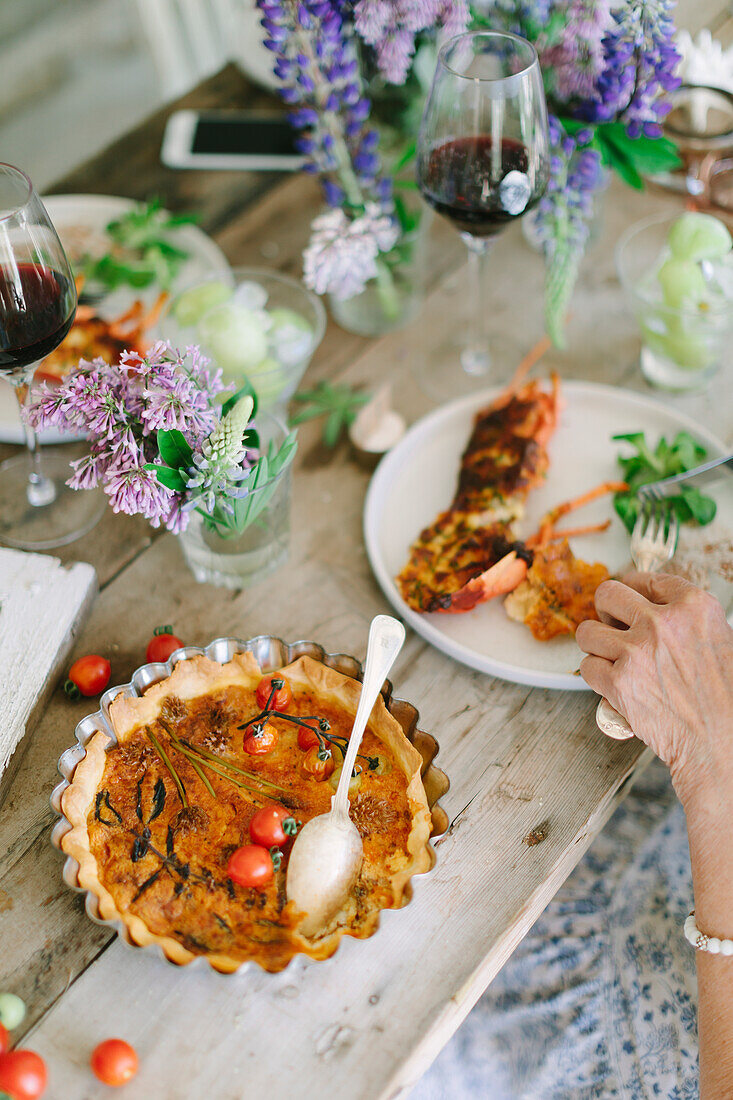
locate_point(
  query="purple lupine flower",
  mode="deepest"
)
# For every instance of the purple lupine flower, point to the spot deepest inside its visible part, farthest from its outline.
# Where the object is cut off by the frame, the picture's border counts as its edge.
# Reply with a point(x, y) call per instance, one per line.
point(317, 64)
point(640, 59)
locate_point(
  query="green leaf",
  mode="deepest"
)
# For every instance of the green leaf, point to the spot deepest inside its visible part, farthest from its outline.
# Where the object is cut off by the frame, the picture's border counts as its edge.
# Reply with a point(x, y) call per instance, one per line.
point(703, 508)
point(406, 156)
point(245, 390)
point(615, 158)
point(332, 428)
point(168, 477)
point(408, 219)
point(284, 456)
point(634, 157)
point(628, 507)
point(338, 403)
point(174, 448)
point(251, 439)
point(404, 185)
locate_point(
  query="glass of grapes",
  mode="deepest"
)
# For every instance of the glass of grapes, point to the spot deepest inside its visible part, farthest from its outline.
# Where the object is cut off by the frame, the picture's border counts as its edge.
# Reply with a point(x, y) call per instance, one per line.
point(37, 308)
point(483, 154)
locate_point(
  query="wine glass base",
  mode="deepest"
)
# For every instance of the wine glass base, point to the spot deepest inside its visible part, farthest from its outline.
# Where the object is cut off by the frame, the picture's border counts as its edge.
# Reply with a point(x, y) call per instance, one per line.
point(445, 377)
point(69, 516)
point(476, 363)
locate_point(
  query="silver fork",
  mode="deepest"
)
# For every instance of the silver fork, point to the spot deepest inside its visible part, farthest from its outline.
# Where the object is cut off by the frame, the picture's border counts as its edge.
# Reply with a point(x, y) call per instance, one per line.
point(653, 543)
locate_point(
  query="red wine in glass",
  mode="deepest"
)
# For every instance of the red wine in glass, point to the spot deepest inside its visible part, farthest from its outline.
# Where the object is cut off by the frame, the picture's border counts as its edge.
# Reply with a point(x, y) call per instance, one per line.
point(478, 187)
point(38, 306)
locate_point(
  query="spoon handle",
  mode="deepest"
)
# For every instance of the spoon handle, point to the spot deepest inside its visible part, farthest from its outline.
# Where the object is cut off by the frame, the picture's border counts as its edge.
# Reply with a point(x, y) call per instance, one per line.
point(386, 638)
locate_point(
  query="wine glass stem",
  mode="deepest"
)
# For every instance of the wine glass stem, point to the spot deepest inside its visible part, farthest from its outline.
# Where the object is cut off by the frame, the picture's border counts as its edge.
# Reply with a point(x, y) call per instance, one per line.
point(40, 490)
point(476, 357)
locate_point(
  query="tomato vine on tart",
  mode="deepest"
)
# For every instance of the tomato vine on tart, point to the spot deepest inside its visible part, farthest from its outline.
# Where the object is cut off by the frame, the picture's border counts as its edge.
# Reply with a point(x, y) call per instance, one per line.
point(158, 816)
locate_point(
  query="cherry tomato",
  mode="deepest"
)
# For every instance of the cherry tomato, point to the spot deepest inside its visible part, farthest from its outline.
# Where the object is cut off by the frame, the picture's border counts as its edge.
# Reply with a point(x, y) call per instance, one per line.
point(318, 764)
point(260, 739)
point(4, 1039)
point(23, 1074)
point(283, 696)
point(251, 866)
point(161, 645)
point(272, 826)
point(307, 738)
point(114, 1062)
point(88, 676)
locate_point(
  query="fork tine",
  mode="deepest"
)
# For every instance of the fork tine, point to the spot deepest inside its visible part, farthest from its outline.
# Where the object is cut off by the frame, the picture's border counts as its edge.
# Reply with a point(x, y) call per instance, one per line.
point(673, 533)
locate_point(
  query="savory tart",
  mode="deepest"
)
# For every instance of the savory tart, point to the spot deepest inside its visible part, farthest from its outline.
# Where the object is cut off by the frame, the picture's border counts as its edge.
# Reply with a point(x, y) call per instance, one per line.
point(159, 816)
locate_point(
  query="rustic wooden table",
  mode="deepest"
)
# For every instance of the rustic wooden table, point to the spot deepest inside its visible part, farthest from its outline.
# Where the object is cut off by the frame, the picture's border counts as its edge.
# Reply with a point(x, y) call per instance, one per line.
point(371, 1019)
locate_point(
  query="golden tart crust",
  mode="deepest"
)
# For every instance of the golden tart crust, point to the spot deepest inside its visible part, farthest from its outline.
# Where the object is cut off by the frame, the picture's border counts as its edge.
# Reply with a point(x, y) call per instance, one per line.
point(113, 797)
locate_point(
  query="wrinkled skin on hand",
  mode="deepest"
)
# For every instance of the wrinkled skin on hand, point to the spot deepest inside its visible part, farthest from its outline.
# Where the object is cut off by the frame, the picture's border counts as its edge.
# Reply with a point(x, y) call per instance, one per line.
point(662, 655)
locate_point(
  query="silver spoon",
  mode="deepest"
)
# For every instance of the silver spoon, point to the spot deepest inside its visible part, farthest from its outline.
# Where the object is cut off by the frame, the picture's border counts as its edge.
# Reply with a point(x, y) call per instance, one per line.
point(327, 853)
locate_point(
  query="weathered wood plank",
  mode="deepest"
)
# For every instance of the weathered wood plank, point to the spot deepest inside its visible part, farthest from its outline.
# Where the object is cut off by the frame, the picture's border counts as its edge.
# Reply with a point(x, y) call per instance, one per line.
point(42, 606)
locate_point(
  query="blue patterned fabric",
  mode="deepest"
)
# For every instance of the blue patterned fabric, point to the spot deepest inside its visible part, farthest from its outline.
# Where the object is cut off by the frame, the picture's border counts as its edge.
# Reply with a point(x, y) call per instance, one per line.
point(598, 1002)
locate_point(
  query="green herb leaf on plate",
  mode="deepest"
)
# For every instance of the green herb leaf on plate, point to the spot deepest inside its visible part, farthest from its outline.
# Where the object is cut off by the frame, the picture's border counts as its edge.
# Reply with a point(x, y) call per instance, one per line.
point(666, 460)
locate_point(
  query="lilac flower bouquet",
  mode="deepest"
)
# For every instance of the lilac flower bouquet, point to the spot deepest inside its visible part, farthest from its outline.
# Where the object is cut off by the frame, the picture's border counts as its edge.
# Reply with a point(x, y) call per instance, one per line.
point(161, 442)
point(606, 64)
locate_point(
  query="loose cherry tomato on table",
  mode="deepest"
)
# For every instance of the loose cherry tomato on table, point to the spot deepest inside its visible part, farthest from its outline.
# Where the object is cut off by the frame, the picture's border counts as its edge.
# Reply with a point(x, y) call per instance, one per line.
point(162, 644)
point(283, 696)
point(114, 1062)
point(88, 676)
point(272, 826)
point(4, 1039)
point(23, 1074)
point(259, 739)
point(318, 764)
point(251, 866)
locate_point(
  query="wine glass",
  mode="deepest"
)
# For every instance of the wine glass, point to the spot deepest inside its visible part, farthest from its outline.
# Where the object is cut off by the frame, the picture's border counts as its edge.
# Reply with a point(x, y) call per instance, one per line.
point(37, 309)
point(483, 153)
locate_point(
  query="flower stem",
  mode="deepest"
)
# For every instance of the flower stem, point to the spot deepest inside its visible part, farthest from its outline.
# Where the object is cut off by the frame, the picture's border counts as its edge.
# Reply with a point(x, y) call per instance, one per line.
point(387, 292)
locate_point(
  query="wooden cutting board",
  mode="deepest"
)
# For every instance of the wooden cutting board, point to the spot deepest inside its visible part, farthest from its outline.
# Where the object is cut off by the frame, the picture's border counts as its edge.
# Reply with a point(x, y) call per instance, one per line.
point(42, 606)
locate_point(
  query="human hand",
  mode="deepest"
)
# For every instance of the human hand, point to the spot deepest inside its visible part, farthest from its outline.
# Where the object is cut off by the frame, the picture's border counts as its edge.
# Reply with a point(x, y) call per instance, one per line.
point(662, 655)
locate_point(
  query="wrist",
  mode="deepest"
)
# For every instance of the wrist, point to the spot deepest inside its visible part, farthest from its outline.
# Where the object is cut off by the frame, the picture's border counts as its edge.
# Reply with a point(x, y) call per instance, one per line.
point(710, 831)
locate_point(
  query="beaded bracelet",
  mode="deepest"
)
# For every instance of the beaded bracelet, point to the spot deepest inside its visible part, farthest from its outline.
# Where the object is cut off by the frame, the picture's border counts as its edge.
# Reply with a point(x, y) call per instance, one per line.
point(701, 942)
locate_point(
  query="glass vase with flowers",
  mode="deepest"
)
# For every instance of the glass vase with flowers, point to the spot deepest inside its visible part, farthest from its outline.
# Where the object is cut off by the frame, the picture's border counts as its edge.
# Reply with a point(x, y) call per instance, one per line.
point(165, 442)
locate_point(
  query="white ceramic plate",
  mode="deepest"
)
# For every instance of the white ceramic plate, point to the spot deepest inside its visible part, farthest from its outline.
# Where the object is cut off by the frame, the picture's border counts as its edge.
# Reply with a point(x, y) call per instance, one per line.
point(93, 213)
point(417, 480)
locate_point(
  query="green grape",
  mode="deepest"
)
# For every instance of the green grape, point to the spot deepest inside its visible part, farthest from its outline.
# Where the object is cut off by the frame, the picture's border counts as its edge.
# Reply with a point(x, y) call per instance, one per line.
point(192, 304)
point(12, 1011)
point(281, 317)
point(699, 237)
point(682, 283)
point(234, 337)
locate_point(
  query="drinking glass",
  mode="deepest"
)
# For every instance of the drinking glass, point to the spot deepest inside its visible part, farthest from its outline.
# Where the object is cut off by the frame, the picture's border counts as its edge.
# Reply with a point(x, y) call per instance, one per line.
point(37, 309)
point(483, 153)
